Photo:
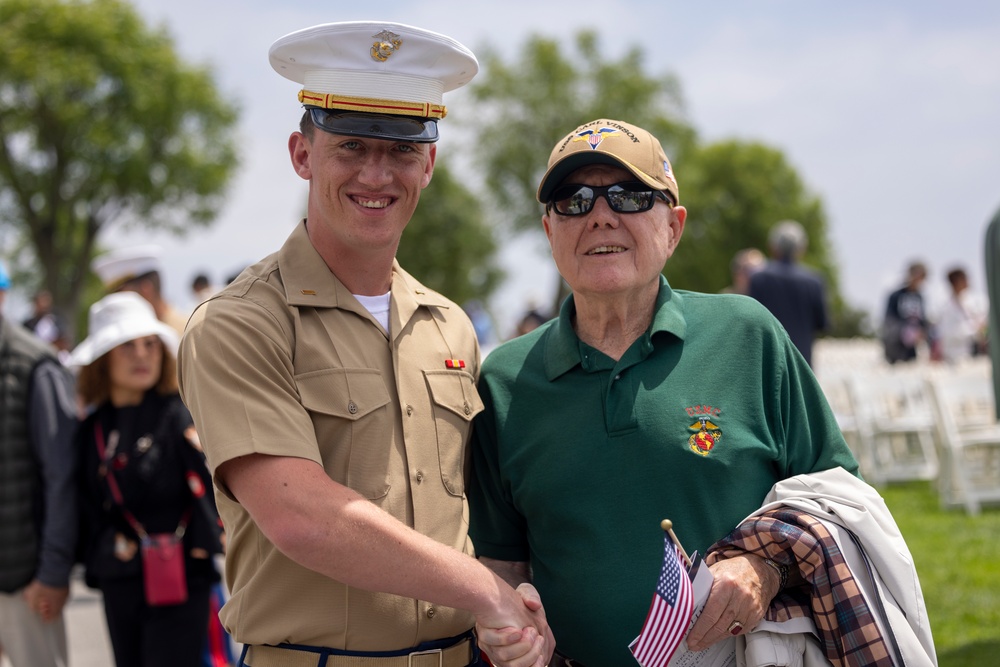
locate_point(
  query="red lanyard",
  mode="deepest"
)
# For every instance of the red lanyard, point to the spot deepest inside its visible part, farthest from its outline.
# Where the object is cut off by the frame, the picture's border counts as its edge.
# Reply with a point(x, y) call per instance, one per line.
point(116, 492)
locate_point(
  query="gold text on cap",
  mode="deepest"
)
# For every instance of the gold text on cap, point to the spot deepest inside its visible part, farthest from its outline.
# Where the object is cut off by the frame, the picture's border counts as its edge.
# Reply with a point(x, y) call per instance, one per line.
point(388, 42)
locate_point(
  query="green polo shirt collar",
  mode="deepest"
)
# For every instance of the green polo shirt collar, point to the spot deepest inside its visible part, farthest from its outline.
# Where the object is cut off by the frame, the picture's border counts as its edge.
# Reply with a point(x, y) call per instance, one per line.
point(562, 346)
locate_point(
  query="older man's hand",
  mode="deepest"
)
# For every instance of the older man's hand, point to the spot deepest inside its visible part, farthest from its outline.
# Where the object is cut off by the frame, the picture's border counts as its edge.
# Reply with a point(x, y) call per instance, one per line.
point(742, 590)
point(531, 646)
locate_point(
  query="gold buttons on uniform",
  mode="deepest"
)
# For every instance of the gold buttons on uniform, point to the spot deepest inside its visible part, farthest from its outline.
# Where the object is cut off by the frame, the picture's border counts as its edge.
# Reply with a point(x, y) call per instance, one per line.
point(409, 410)
point(430, 612)
point(468, 410)
point(420, 476)
point(352, 408)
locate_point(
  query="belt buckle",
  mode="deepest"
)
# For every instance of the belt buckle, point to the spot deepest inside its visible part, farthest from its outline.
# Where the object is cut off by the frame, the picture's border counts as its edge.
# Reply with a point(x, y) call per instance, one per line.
point(439, 651)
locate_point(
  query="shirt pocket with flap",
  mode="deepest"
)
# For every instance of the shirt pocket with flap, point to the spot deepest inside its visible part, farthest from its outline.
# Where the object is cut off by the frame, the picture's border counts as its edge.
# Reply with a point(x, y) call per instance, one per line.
point(350, 412)
point(455, 402)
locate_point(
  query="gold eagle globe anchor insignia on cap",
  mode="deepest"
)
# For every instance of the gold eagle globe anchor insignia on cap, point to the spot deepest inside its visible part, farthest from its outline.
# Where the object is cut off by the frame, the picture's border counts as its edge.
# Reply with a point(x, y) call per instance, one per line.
point(389, 42)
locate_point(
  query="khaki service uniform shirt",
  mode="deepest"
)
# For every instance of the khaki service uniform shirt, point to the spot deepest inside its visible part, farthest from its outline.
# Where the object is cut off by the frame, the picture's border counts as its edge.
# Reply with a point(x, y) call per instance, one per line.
point(286, 362)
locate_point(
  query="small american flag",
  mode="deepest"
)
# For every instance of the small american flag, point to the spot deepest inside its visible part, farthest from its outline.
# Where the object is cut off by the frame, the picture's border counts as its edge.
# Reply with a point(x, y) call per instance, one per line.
point(669, 614)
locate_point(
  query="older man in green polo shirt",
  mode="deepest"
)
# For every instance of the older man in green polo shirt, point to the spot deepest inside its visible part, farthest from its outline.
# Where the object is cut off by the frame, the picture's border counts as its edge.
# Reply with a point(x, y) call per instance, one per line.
point(638, 402)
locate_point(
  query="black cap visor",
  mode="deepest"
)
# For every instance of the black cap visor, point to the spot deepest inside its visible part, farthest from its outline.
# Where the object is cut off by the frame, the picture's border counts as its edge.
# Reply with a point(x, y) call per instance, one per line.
point(376, 126)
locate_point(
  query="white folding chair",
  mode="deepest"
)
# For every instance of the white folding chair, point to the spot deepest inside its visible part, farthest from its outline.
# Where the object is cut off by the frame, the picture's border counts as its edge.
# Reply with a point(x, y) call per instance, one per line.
point(838, 395)
point(969, 436)
point(895, 423)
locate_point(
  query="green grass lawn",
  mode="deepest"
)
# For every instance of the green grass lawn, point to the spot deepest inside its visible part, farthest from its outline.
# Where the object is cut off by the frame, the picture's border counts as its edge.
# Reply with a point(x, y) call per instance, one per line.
point(958, 561)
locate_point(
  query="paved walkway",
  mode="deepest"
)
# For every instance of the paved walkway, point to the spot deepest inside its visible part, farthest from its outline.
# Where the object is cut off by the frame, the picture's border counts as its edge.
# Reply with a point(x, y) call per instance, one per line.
point(89, 645)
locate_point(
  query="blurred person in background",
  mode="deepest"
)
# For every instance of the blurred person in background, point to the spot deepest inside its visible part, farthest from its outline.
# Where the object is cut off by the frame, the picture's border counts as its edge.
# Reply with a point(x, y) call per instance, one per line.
point(905, 326)
point(201, 288)
point(137, 269)
point(794, 294)
point(960, 326)
point(743, 265)
point(992, 265)
point(530, 321)
point(141, 472)
point(46, 324)
point(38, 521)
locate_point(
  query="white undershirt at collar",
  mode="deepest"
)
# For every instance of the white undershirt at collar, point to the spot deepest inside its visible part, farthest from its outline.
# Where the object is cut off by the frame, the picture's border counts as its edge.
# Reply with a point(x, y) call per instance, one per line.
point(378, 306)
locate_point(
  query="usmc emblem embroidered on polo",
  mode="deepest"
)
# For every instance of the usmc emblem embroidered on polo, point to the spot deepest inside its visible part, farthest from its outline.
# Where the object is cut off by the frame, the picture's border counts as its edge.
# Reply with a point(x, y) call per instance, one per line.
point(705, 437)
point(387, 44)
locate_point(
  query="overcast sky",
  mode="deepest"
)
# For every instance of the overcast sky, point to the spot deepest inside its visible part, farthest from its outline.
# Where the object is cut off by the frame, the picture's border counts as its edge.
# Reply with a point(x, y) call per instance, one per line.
point(889, 111)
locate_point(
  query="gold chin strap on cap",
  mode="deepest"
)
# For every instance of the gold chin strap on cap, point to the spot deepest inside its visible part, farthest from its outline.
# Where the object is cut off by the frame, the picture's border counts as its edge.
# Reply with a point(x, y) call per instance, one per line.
point(372, 105)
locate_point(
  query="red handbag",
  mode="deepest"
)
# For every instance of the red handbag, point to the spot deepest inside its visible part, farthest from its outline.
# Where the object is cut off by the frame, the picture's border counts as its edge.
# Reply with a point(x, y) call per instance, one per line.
point(163, 576)
point(163, 569)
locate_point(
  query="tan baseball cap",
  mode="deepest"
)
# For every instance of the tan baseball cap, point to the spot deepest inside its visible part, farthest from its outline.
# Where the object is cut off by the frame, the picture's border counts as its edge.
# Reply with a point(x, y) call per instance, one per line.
point(611, 142)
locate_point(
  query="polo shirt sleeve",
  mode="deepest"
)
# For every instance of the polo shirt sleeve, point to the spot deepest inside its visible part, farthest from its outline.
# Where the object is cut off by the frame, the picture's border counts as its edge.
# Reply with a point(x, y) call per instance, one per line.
point(812, 439)
point(237, 379)
point(497, 529)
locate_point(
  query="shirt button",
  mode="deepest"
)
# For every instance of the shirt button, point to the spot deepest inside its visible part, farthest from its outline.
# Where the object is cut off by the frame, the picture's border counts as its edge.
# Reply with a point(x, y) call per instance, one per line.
point(618, 377)
point(420, 476)
point(430, 612)
point(468, 410)
point(409, 410)
point(352, 408)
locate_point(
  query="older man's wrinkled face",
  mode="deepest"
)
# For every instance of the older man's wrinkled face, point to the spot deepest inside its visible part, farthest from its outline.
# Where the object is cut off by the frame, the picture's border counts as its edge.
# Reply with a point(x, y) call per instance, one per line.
point(604, 253)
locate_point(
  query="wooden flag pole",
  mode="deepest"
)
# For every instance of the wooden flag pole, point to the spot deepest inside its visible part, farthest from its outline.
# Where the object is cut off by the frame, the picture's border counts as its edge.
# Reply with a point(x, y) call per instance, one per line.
point(668, 527)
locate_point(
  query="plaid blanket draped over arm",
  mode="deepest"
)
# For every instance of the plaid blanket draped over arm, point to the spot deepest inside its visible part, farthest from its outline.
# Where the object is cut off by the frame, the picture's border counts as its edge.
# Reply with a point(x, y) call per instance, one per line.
point(824, 588)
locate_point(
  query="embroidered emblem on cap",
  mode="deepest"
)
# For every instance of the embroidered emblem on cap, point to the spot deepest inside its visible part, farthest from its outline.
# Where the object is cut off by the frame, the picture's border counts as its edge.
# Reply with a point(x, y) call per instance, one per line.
point(454, 363)
point(594, 138)
point(706, 437)
point(389, 42)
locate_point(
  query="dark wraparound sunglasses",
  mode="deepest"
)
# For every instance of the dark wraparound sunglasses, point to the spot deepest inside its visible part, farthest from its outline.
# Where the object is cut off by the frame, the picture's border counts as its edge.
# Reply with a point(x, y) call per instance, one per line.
point(629, 197)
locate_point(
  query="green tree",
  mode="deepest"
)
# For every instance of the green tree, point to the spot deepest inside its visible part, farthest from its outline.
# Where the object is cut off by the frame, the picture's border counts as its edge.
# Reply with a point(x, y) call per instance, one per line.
point(734, 192)
point(101, 126)
point(447, 244)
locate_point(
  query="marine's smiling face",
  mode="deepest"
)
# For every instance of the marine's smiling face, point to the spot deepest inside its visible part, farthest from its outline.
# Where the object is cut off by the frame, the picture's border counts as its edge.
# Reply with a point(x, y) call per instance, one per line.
point(363, 191)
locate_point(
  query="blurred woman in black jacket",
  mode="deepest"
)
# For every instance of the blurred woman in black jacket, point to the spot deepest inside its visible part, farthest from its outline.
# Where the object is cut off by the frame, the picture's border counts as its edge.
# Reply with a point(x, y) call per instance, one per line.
point(142, 472)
